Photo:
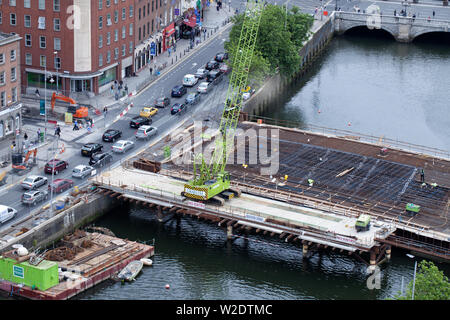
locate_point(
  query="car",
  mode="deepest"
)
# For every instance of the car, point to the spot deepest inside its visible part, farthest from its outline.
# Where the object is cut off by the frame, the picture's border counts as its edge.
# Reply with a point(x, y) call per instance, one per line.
point(55, 166)
point(224, 68)
point(90, 148)
point(148, 112)
point(122, 145)
point(138, 121)
point(204, 87)
point(213, 64)
point(82, 171)
point(201, 73)
point(162, 102)
point(189, 80)
point(186, 34)
point(34, 196)
point(178, 108)
point(33, 182)
point(214, 76)
point(178, 91)
point(145, 132)
point(111, 135)
point(100, 159)
point(220, 57)
point(193, 98)
point(6, 213)
point(60, 185)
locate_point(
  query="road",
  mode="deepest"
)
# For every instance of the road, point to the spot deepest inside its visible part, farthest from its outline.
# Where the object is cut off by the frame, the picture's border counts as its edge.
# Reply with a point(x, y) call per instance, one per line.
point(163, 120)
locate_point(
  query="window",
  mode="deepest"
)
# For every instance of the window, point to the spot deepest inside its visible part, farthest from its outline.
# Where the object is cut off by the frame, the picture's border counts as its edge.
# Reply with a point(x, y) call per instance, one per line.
point(56, 24)
point(131, 47)
point(57, 63)
point(56, 5)
point(156, 4)
point(28, 40)
point(2, 78)
point(108, 19)
point(148, 28)
point(115, 1)
point(13, 74)
point(100, 60)
point(2, 58)
point(108, 57)
point(116, 53)
point(28, 59)
point(143, 11)
point(124, 50)
point(160, 3)
point(27, 21)
point(124, 13)
point(153, 5)
point(153, 24)
point(131, 11)
point(42, 61)
point(148, 8)
point(108, 38)
point(41, 23)
point(1, 17)
point(100, 41)
point(100, 22)
point(116, 35)
point(27, 3)
point(124, 32)
point(139, 13)
point(12, 19)
point(57, 43)
point(12, 3)
point(42, 42)
point(14, 94)
point(116, 16)
point(2, 103)
point(143, 31)
point(139, 33)
point(42, 4)
point(13, 55)
point(108, 3)
point(131, 29)
point(100, 4)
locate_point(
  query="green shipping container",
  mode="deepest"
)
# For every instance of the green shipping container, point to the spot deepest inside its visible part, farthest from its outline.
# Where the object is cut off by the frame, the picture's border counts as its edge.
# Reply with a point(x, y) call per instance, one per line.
point(42, 276)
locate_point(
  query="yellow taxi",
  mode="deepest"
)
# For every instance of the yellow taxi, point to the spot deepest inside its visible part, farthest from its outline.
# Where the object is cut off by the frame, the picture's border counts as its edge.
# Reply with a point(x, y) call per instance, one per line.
point(148, 112)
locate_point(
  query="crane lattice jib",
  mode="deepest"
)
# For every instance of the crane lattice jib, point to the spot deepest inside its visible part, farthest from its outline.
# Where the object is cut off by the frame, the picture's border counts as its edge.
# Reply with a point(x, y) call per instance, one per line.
point(238, 81)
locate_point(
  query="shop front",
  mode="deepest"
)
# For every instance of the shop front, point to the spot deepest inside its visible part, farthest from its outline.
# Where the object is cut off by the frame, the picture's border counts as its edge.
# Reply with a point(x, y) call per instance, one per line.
point(168, 36)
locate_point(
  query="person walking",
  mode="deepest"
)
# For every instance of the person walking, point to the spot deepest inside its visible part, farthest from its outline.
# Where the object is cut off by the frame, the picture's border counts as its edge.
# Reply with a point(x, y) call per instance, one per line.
point(75, 125)
point(434, 13)
point(422, 175)
point(151, 70)
point(25, 136)
point(38, 135)
point(169, 50)
point(105, 110)
point(58, 131)
point(395, 13)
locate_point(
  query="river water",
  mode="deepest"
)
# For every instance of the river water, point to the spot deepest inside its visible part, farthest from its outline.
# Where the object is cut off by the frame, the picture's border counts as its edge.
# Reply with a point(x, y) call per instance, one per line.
point(380, 87)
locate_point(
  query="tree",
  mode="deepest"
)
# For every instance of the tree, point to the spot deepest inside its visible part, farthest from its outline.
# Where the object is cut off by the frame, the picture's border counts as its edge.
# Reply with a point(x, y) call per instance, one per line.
point(431, 284)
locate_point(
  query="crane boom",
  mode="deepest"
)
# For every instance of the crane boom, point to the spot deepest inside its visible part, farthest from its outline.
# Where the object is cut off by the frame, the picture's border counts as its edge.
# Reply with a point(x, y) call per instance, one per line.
point(213, 179)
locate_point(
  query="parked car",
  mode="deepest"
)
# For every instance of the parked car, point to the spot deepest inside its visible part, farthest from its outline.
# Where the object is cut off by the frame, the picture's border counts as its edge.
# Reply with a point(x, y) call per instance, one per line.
point(178, 108)
point(55, 165)
point(162, 102)
point(189, 80)
point(148, 112)
point(214, 76)
point(213, 64)
point(178, 91)
point(33, 182)
point(34, 196)
point(111, 135)
point(201, 73)
point(82, 171)
point(193, 98)
point(60, 185)
point(6, 213)
point(122, 146)
point(204, 87)
point(138, 121)
point(100, 159)
point(224, 68)
point(220, 57)
point(90, 148)
point(145, 132)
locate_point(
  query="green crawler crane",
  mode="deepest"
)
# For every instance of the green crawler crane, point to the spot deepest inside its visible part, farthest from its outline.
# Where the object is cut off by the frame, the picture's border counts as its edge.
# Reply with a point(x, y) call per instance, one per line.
point(212, 182)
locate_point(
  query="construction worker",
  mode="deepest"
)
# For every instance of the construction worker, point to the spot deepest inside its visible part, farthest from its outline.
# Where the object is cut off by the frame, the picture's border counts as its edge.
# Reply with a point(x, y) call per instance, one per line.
point(422, 175)
point(310, 182)
point(434, 184)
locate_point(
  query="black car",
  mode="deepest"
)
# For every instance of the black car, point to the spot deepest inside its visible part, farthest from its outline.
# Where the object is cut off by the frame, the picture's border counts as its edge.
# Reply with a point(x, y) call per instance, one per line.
point(90, 148)
point(178, 91)
point(138, 121)
point(111, 135)
point(187, 34)
point(220, 57)
point(214, 76)
point(193, 98)
point(178, 108)
point(213, 64)
point(162, 102)
point(100, 159)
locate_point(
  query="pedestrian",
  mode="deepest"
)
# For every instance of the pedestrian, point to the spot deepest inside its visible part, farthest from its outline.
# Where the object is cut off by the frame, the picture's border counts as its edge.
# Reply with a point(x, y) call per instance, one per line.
point(112, 89)
point(433, 14)
point(395, 13)
point(174, 47)
point(151, 70)
point(38, 134)
point(105, 110)
point(126, 89)
point(75, 125)
point(217, 7)
point(169, 50)
point(429, 19)
point(37, 93)
point(58, 131)
point(422, 175)
point(25, 136)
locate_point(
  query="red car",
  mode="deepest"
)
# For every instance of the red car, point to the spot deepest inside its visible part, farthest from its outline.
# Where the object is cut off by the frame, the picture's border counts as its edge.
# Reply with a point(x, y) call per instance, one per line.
point(60, 185)
point(57, 165)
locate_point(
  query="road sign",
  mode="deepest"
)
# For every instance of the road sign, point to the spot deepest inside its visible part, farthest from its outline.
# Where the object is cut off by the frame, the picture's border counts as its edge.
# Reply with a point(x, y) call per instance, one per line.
point(18, 272)
point(153, 49)
point(177, 12)
point(42, 107)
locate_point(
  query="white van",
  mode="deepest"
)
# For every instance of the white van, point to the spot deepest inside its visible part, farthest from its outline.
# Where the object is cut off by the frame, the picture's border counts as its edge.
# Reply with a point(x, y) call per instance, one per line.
point(189, 80)
point(6, 213)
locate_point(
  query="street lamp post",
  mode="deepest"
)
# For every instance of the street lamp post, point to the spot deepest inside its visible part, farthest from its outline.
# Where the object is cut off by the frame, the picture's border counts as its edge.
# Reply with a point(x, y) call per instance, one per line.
point(414, 278)
point(45, 101)
point(53, 174)
point(287, 2)
point(336, 6)
point(56, 66)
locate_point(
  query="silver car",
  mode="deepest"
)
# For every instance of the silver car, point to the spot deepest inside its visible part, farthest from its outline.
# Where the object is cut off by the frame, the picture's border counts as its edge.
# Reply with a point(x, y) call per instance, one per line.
point(33, 182)
point(34, 196)
point(81, 171)
point(145, 132)
point(122, 146)
point(201, 73)
point(204, 87)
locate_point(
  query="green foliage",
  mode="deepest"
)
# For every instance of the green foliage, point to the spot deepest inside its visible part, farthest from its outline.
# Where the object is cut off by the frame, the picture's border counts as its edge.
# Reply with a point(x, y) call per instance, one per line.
point(431, 284)
point(280, 38)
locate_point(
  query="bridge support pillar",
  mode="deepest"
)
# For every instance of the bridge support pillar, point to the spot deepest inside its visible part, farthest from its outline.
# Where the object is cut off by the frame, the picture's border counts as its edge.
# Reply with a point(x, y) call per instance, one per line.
point(388, 253)
point(229, 232)
point(373, 259)
point(305, 250)
point(159, 214)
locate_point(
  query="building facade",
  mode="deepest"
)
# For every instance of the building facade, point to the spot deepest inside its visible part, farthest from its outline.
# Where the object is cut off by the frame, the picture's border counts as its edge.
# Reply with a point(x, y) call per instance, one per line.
point(10, 106)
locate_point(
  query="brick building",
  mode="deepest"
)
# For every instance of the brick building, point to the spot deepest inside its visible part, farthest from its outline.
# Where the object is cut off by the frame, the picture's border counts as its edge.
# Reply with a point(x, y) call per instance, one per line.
point(10, 106)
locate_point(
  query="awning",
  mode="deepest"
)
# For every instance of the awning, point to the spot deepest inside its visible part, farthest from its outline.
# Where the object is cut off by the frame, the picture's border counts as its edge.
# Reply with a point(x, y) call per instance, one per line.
point(169, 30)
point(191, 22)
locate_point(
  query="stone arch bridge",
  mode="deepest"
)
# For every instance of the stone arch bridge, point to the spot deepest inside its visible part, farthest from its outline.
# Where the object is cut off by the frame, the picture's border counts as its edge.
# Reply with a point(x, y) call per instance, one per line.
point(403, 29)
